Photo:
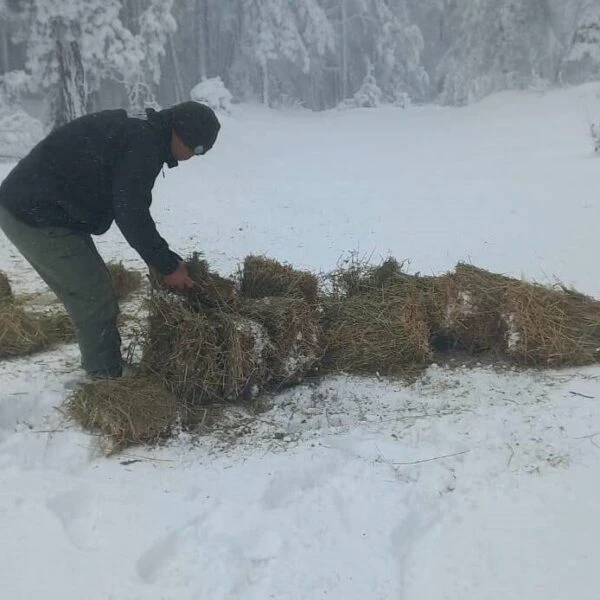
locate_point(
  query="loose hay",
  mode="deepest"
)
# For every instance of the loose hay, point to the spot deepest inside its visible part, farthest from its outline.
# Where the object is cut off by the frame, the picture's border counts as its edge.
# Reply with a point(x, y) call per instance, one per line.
point(212, 346)
point(127, 411)
point(58, 327)
point(528, 323)
point(6, 294)
point(23, 333)
point(384, 332)
point(125, 281)
point(358, 276)
point(546, 326)
point(210, 289)
point(264, 277)
point(205, 355)
point(295, 335)
point(466, 306)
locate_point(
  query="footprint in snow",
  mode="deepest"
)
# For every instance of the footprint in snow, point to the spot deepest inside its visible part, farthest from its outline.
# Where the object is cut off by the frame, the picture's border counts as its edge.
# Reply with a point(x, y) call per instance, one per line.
point(284, 485)
point(237, 560)
point(80, 517)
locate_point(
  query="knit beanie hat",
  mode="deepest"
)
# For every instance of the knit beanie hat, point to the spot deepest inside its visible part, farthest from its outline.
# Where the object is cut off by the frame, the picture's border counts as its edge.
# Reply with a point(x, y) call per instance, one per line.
point(196, 125)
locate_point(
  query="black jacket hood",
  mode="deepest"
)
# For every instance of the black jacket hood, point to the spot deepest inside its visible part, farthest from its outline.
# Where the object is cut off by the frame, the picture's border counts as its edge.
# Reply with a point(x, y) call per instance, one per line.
point(162, 124)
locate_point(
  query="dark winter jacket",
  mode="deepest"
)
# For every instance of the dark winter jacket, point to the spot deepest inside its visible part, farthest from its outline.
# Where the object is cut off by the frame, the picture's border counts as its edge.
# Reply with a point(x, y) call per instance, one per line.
point(93, 170)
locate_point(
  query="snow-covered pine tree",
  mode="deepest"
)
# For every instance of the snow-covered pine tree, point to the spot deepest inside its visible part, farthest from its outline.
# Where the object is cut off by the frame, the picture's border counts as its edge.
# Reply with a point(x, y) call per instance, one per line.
point(201, 35)
point(156, 28)
point(369, 94)
point(269, 45)
point(316, 87)
point(54, 58)
point(582, 59)
point(72, 46)
point(398, 47)
point(212, 92)
point(496, 45)
point(308, 51)
point(70, 96)
point(4, 37)
point(381, 33)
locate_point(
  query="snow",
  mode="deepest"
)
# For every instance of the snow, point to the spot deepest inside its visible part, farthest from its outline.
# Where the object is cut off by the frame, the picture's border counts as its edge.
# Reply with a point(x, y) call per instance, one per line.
point(469, 483)
point(213, 93)
point(18, 133)
point(513, 335)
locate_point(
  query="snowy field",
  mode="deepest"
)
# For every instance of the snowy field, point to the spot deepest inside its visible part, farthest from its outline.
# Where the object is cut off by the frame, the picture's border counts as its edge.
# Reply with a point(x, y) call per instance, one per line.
point(468, 484)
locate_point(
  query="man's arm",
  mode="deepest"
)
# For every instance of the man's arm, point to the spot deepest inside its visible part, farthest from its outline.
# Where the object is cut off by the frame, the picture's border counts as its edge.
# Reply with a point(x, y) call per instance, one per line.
point(133, 179)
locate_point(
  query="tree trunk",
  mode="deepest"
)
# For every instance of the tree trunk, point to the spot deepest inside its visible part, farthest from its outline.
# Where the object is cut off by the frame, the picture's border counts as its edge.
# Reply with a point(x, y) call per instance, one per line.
point(5, 33)
point(207, 40)
point(179, 93)
point(344, 49)
point(131, 15)
point(201, 29)
point(70, 96)
point(265, 82)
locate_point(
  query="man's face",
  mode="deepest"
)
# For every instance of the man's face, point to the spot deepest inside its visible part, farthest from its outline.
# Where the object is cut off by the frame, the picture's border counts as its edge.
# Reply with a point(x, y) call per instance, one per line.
point(178, 149)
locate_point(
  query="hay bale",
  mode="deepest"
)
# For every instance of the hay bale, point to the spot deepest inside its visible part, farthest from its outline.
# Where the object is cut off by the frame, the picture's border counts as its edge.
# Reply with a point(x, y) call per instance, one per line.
point(294, 332)
point(387, 273)
point(125, 281)
point(528, 323)
point(6, 294)
point(466, 306)
point(205, 356)
point(264, 277)
point(210, 289)
point(385, 332)
point(23, 333)
point(549, 326)
point(361, 277)
point(128, 410)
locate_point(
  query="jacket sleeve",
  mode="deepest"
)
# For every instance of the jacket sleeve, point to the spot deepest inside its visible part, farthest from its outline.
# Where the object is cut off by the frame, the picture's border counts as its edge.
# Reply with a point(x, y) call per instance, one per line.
point(134, 174)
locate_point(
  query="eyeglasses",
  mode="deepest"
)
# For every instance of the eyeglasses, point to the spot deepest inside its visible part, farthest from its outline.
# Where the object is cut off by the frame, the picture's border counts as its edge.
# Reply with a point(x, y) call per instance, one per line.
point(199, 150)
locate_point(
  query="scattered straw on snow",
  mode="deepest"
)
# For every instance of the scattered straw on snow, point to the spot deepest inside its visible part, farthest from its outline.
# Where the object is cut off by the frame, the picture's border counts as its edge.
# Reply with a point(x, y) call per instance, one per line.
point(127, 411)
point(23, 332)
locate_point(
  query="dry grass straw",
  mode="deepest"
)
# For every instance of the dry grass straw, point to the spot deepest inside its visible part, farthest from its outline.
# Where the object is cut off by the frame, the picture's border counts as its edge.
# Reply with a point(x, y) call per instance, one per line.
point(6, 294)
point(204, 355)
point(125, 281)
point(296, 337)
point(136, 410)
point(210, 346)
point(23, 333)
point(210, 289)
point(550, 326)
point(376, 320)
point(528, 323)
point(264, 277)
point(466, 306)
point(357, 276)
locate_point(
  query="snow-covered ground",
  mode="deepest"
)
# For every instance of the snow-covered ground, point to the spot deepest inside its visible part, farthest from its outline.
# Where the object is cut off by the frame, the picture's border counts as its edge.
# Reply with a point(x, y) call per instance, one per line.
point(468, 484)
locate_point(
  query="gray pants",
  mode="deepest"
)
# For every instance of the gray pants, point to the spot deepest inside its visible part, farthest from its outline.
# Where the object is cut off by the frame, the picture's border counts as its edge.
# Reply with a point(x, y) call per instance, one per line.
point(70, 265)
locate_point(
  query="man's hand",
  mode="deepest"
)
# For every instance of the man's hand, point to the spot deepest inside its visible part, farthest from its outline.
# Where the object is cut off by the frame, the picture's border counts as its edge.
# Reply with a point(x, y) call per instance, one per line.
point(179, 279)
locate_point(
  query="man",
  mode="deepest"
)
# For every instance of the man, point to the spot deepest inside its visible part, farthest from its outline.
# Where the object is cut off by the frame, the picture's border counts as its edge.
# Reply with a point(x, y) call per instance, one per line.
point(74, 183)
